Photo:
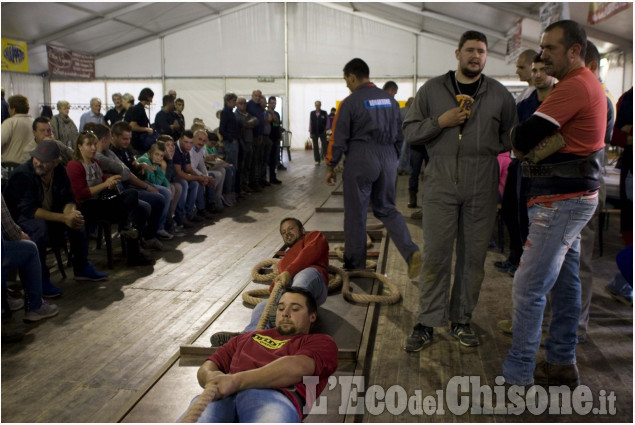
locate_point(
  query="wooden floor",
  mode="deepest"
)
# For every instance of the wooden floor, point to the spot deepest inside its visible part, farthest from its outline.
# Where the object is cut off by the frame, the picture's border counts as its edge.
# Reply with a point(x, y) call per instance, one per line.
point(111, 338)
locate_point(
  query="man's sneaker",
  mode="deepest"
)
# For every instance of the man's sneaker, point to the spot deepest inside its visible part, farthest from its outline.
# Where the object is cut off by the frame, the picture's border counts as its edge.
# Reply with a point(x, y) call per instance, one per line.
point(547, 374)
point(15, 304)
point(182, 221)
point(419, 338)
point(50, 291)
point(176, 232)
point(153, 244)
point(414, 264)
point(220, 338)
point(89, 273)
point(164, 235)
point(193, 218)
point(504, 266)
point(129, 232)
point(464, 334)
point(139, 260)
point(46, 310)
point(619, 292)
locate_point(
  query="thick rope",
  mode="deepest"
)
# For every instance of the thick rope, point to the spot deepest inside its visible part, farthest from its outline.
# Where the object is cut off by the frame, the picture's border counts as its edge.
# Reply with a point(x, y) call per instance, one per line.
point(391, 298)
point(196, 410)
point(258, 277)
point(339, 251)
point(279, 285)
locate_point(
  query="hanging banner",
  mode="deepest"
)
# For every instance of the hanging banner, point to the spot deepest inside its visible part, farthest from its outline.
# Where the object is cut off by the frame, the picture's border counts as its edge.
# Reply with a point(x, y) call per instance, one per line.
point(600, 11)
point(514, 42)
point(66, 63)
point(553, 12)
point(14, 57)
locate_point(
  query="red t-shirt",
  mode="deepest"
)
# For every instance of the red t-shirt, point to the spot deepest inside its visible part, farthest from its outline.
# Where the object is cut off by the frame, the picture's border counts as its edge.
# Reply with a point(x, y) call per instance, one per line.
point(577, 105)
point(311, 250)
point(255, 349)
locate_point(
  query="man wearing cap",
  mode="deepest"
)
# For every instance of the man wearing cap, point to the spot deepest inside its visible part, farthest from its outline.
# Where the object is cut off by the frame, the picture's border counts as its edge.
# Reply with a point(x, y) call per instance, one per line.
point(41, 201)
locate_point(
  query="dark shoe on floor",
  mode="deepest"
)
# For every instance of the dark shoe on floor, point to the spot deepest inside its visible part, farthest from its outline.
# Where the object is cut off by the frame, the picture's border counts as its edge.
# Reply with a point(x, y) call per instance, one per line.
point(139, 260)
point(623, 298)
point(255, 188)
point(204, 214)
point(220, 338)
point(419, 338)
point(182, 221)
point(275, 181)
point(547, 374)
point(194, 218)
point(89, 273)
point(50, 291)
point(417, 215)
point(465, 334)
point(504, 266)
point(281, 167)
point(265, 183)
point(129, 232)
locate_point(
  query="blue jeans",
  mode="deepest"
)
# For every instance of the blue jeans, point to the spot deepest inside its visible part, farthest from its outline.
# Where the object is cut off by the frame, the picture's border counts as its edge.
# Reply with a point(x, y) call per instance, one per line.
point(167, 195)
point(205, 196)
point(23, 255)
point(310, 279)
point(188, 198)
point(550, 262)
point(159, 206)
point(256, 405)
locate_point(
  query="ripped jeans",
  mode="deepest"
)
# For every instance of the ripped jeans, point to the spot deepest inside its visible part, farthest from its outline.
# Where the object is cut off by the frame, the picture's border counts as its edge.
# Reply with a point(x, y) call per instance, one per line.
point(550, 262)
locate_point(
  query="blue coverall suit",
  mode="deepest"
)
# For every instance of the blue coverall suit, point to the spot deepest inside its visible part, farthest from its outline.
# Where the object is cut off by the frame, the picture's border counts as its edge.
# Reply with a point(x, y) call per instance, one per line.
point(367, 129)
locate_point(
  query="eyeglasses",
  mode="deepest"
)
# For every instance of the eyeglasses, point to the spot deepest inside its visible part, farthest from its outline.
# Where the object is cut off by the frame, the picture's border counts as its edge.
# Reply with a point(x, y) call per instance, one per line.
point(87, 132)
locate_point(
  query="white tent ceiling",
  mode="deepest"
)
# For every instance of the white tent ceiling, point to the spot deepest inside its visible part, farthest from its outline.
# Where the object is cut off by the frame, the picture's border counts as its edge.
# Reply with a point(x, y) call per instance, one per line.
point(103, 29)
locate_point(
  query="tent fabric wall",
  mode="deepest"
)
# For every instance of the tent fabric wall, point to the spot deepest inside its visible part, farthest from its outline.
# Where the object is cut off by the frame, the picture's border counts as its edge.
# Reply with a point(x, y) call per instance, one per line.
point(243, 44)
point(143, 61)
point(27, 85)
point(322, 40)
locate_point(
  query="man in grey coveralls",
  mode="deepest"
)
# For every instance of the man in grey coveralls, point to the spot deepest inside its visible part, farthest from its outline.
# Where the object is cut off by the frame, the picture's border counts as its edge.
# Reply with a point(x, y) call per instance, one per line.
point(459, 186)
point(367, 128)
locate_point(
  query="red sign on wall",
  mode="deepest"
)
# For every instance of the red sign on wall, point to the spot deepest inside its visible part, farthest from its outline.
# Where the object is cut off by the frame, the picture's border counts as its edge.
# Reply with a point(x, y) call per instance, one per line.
point(599, 11)
point(66, 63)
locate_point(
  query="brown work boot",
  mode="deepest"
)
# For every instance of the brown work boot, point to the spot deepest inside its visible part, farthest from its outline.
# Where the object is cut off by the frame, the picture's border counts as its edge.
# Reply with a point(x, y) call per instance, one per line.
point(547, 374)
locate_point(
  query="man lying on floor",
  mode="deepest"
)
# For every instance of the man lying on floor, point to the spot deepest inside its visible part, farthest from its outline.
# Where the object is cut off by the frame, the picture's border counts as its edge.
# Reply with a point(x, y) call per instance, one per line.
point(258, 375)
point(304, 265)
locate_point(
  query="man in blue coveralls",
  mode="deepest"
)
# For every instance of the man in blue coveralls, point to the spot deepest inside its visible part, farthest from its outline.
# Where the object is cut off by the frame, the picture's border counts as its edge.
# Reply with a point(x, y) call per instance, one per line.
point(367, 128)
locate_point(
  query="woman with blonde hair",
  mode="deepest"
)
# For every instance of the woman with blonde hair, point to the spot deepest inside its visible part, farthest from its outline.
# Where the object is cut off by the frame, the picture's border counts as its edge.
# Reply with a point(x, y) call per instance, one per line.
point(64, 129)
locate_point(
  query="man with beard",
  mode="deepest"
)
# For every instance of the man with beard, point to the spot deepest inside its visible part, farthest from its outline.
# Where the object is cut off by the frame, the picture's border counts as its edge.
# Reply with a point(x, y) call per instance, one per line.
point(562, 195)
point(304, 265)
point(463, 118)
point(259, 376)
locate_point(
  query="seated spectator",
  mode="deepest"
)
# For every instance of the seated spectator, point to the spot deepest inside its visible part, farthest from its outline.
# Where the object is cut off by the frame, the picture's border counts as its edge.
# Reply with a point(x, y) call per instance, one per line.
point(94, 115)
point(165, 122)
point(191, 182)
point(21, 253)
point(41, 201)
point(16, 130)
point(99, 198)
point(63, 127)
point(42, 131)
point(247, 372)
point(117, 112)
point(304, 265)
point(211, 200)
point(157, 197)
point(214, 161)
point(142, 135)
point(175, 188)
